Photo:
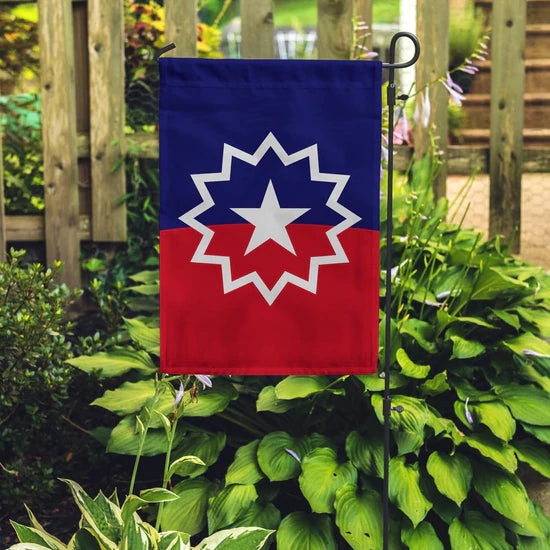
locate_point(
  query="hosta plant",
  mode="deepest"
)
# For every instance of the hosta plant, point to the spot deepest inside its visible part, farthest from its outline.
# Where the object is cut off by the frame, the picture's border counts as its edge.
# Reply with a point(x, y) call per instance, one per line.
point(304, 455)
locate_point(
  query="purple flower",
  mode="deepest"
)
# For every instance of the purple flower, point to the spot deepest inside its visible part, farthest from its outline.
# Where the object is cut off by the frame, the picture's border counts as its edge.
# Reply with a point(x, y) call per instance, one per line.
point(443, 294)
point(423, 109)
point(293, 455)
point(455, 91)
point(179, 396)
point(531, 352)
point(204, 379)
point(468, 414)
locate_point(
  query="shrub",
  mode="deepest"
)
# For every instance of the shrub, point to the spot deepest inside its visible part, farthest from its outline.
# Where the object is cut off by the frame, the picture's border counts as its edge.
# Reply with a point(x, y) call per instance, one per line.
point(469, 367)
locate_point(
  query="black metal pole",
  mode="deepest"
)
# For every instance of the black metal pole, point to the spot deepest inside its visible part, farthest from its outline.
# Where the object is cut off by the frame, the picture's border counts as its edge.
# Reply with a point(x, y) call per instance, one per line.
point(391, 96)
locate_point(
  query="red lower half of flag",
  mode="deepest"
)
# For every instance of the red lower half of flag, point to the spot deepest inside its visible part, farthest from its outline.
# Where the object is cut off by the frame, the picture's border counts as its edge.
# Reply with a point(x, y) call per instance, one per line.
point(329, 328)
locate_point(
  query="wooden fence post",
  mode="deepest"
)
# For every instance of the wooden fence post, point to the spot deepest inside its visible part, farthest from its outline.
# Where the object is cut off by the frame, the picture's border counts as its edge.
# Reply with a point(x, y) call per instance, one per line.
point(257, 29)
point(334, 28)
point(2, 211)
point(106, 56)
point(59, 136)
point(507, 86)
point(432, 25)
point(181, 27)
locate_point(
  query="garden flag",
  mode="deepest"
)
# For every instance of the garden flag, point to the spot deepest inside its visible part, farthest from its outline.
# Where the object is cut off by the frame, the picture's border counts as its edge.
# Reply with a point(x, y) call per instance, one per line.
point(269, 229)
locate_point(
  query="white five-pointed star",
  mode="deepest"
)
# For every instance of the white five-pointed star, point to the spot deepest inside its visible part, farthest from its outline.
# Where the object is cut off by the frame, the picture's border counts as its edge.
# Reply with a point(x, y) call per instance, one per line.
point(270, 221)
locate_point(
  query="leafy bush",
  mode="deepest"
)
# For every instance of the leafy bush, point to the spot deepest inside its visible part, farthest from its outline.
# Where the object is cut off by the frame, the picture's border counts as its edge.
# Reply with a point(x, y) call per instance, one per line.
point(33, 375)
point(470, 370)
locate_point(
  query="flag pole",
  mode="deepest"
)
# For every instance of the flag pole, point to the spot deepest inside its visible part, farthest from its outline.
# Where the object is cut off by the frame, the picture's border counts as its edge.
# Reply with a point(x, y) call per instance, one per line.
point(391, 96)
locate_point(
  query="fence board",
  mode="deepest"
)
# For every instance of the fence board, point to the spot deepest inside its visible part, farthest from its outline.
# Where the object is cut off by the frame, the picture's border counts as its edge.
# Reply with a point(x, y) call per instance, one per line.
point(181, 27)
point(432, 25)
point(2, 210)
point(507, 86)
point(334, 28)
point(364, 15)
point(257, 28)
point(106, 57)
point(59, 137)
point(31, 228)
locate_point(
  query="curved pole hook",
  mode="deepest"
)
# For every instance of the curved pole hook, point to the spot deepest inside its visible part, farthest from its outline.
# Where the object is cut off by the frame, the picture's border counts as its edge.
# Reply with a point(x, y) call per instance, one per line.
point(392, 65)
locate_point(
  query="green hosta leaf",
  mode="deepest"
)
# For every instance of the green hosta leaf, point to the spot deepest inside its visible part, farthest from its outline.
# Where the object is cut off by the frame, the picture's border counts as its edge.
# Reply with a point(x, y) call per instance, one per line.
point(146, 290)
point(204, 445)
point(494, 414)
point(536, 455)
point(410, 368)
point(212, 400)
point(131, 505)
point(452, 475)
point(530, 342)
point(422, 538)
point(465, 390)
point(229, 505)
point(322, 475)
point(28, 546)
point(477, 532)
point(358, 517)
point(306, 531)
point(108, 535)
point(181, 465)
point(188, 513)
point(173, 541)
point(491, 447)
point(373, 382)
point(147, 337)
point(527, 403)
point(503, 491)
point(405, 490)
point(135, 535)
point(541, 433)
point(296, 387)
point(128, 398)
point(257, 515)
point(31, 535)
point(422, 332)
point(124, 439)
point(492, 283)
point(146, 277)
point(509, 318)
point(529, 543)
point(240, 538)
point(274, 460)
point(530, 374)
point(538, 317)
point(465, 349)
point(244, 470)
point(366, 453)
point(83, 540)
point(268, 401)
point(115, 363)
point(158, 494)
point(436, 385)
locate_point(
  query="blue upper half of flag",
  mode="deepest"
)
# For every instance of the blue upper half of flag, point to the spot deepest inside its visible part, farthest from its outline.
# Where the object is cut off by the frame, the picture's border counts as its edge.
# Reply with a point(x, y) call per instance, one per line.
point(210, 108)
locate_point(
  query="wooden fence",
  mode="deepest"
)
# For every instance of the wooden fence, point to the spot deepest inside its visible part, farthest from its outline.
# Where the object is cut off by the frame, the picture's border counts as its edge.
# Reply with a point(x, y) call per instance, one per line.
point(82, 84)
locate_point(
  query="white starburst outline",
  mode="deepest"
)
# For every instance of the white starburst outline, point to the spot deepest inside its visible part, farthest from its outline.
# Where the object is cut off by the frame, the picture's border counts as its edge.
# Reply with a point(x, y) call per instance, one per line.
point(270, 142)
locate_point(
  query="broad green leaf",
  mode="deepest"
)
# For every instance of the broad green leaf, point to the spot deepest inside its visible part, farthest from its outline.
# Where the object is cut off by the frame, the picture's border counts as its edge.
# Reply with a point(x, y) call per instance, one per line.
point(422, 332)
point(322, 475)
point(533, 527)
point(530, 374)
point(28, 546)
point(373, 382)
point(535, 454)
point(172, 540)
point(509, 318)
point(306, 531)
point(465, 349)
point(492, 283)
point(31, 535)
point(83, 539)
point(147, 337)
point(404, 490)
point(147, 277)
point(204, 445)
point(229, 505)
point(436, 385)
point(530, 543)
point(145, 290)
point(358, 517)
point(527, 403)
point(475, 531)
point(108, 535)
point(46, 538)
point(188, 513)
point(180, 465)
point(257, 515)
point(528, 342)
point(494, 414)
point(492, 448)
point(366, 453)
point(158, 494)
point(541, 433)
point(268, 401)
point(538, 317)
point(244, 470)
point(503, 491)
point(212, 400)
point(423, 537)
point(239, 538)
point(410, 368)
point(276, 463)
point(115, 363)
point(127, 398)
point(452, 475)
point(135, 536)
point(465, 390)
point(296, 387)
point(131, 505)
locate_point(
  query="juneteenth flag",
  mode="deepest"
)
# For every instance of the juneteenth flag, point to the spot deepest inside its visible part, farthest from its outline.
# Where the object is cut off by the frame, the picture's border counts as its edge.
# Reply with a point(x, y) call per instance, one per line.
point(269, 228)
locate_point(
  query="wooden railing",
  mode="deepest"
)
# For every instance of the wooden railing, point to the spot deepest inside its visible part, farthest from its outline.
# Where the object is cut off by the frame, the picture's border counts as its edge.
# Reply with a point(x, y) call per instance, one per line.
point(82, 81)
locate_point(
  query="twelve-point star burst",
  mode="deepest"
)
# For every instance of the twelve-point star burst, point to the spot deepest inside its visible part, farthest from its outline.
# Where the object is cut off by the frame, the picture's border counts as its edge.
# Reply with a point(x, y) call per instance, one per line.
point(270, 221)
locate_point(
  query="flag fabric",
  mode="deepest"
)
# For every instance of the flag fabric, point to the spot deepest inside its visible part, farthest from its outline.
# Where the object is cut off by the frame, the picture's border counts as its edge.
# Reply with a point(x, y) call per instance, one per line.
point(269, 228)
